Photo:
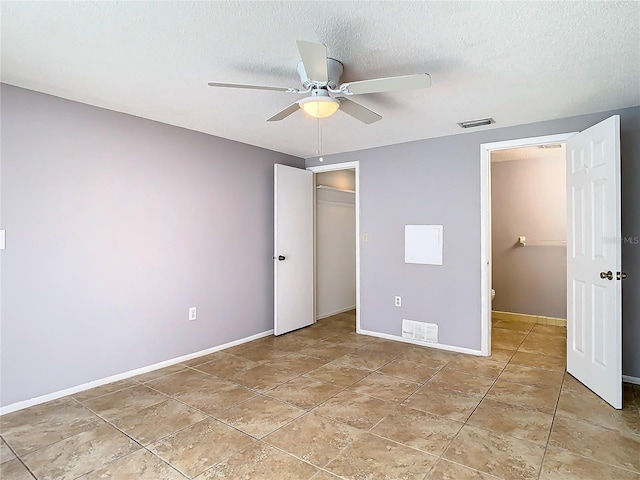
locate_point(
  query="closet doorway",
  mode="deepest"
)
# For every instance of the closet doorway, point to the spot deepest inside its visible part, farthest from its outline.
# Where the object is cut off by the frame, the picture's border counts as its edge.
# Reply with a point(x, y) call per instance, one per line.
point(336, 247)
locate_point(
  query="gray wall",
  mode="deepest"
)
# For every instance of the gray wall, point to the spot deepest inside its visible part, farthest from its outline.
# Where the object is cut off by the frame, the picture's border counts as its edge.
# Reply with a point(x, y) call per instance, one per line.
point(437, 181)
point(528, 198)
point(115, 226)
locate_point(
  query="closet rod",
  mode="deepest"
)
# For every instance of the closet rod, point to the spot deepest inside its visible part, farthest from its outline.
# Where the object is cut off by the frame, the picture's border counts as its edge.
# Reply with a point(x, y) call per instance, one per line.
point(546, 243)
point(327, 187)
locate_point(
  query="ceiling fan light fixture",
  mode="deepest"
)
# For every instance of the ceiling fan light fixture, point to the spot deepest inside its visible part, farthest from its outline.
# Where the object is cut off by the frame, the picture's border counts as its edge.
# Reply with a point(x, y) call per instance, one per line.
point(319, 106)
point(320, 76)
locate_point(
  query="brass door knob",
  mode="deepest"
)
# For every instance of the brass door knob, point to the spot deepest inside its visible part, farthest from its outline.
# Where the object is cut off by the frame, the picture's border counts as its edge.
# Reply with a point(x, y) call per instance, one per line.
point(608, 275)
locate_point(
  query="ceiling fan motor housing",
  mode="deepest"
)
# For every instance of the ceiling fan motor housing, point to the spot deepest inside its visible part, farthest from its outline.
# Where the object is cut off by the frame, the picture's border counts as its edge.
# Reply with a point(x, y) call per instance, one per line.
point(334, 70)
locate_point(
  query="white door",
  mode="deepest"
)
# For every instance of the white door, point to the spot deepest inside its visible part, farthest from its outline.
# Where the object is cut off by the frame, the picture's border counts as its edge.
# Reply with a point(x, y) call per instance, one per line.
point(594, 295)
point(293, 249)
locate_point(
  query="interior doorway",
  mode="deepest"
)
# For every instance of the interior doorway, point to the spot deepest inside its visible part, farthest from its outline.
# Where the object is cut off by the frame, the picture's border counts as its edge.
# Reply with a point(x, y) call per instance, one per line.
point(486, 279)
point(336, 240)
point(594, 293)
point(528, 237)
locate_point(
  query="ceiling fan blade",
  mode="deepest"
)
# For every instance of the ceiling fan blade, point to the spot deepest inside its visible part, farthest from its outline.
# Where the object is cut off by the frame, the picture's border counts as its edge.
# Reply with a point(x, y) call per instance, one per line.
point(314, 59)
point(357, 111)
point(293, 108)
point(388, 84)
point(253, 87)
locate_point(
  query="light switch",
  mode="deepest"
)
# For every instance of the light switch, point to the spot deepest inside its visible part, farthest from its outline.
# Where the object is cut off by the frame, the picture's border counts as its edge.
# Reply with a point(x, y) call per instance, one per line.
point(365, 237)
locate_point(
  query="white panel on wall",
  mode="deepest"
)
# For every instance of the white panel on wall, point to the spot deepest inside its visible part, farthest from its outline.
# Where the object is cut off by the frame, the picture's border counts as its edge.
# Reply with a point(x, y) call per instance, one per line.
point(423, 244)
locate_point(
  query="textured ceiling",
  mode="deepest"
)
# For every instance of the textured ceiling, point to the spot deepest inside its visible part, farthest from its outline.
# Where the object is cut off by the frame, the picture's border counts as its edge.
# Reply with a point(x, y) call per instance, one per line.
point(518, 62)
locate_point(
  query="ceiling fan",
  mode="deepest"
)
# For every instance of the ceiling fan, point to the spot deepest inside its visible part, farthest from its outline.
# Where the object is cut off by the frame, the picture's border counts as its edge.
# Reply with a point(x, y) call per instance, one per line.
point(320, 76)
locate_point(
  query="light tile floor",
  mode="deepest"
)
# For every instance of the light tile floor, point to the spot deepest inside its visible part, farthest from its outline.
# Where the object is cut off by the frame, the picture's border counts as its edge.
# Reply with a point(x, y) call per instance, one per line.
point(325, 403)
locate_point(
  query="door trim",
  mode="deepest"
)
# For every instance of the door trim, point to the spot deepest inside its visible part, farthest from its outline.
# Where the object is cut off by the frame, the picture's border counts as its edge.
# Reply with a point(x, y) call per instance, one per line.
point(330, 168)
point(485, 224)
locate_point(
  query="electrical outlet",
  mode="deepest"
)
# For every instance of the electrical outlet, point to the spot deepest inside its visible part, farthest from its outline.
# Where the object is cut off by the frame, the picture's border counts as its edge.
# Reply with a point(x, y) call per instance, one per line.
point(193, 314)
point(398, 301)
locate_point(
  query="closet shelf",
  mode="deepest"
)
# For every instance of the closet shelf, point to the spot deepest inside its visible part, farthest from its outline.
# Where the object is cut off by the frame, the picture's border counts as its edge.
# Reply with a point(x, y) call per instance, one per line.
point(327, 187)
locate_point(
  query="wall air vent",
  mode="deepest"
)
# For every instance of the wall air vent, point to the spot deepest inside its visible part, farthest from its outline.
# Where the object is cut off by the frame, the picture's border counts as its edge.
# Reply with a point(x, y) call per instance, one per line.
point(477, 123)
point(424, 332)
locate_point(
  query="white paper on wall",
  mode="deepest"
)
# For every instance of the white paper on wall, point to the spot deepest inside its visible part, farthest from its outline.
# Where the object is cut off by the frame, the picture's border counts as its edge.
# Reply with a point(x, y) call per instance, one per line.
point(423, 244)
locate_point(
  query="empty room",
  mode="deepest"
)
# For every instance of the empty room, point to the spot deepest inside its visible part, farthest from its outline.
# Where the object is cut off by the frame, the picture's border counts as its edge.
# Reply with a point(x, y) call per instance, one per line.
point(320, 240)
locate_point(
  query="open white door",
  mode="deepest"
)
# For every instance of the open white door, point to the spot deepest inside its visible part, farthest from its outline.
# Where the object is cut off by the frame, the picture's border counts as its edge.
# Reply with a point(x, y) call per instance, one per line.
point(594, 310)
point(293, 249)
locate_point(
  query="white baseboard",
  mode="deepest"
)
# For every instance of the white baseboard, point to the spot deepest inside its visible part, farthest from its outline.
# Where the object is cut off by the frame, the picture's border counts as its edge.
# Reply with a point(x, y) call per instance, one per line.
point(451, 348)
point(524, 317)
point(121, 376)
point(342, 310)
point(439, 346)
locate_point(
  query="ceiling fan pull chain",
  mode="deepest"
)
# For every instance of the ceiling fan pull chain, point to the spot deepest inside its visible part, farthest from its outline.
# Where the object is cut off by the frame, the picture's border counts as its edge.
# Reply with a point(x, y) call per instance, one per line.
point(319, 152)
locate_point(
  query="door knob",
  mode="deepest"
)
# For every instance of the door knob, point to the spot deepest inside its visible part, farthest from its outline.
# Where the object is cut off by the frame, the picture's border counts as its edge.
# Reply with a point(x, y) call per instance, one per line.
point(621, 275)
point(608, 275)
point(281, 257)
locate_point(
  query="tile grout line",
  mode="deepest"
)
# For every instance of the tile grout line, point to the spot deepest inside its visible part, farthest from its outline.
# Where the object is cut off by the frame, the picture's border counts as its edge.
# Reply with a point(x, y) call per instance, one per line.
point(67, 437)
point(110, 424)
point(424, 384)
point(307, 461)
point(483, 397)
point(259, 393)
point(304, 411)
point(553, 421)
point(577, 454)
point(17, 457)
point(466, 422)
point(207, 417)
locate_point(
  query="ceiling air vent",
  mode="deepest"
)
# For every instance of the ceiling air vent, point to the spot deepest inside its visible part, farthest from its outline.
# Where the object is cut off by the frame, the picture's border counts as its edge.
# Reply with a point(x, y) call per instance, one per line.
point(477, 123)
